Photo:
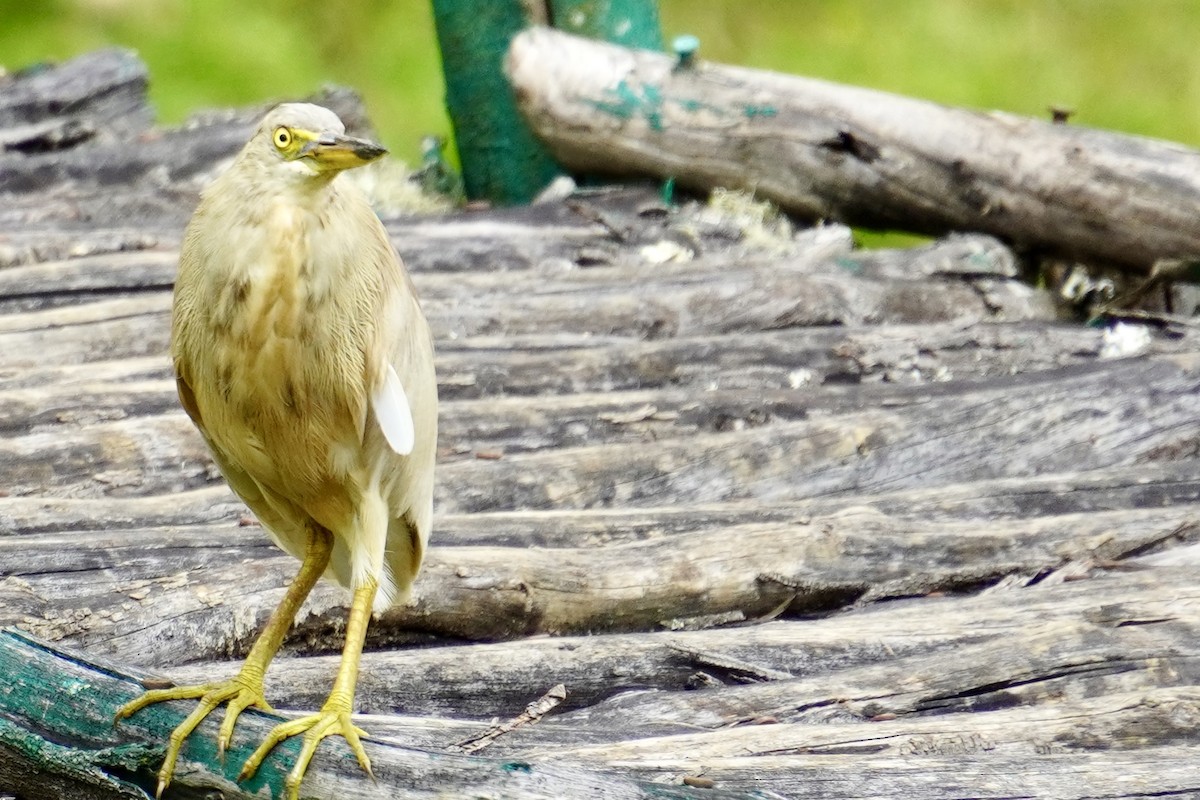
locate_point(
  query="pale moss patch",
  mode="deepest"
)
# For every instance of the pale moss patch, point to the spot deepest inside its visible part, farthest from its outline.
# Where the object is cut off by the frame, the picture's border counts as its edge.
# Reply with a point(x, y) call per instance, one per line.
point(761, 224)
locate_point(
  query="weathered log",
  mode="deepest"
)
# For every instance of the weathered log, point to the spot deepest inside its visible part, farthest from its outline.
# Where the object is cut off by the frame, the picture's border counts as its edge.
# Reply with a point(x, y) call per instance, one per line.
point(756, 296)
point(1007, 753)
point(993, 431)
point(584, 451)
point(851, 690)
point(783, 756)
point(161, 596)
point(511, 240)
point(1150, 485)
point(73, 749)
point(864, 157)
point(44, 108)
point(842, 362)
point(546, 365)
point(1108, 651)
point(496, 679)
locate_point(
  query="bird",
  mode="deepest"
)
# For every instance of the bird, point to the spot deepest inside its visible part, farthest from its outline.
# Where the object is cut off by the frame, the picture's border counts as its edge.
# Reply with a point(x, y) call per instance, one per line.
point(302, 355)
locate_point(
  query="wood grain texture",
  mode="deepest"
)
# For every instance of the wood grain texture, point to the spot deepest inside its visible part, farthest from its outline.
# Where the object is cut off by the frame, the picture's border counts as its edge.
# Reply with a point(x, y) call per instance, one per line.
point(785, 517)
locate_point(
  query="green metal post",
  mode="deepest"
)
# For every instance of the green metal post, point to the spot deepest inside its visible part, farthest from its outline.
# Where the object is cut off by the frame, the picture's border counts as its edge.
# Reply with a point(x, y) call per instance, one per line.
point(631, 23)
point(501, 159)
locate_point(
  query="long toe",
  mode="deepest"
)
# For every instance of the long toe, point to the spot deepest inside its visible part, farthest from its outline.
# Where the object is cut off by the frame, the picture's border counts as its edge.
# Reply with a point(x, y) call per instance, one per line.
point(315, 728)
point(239, 694)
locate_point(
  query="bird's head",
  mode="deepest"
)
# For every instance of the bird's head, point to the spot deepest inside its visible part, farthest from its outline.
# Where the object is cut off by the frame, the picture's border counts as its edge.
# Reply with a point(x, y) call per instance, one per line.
point(308, 140)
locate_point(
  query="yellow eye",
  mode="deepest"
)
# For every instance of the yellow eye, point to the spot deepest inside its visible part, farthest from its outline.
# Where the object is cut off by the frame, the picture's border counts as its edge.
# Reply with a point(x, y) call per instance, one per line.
point(283, 137)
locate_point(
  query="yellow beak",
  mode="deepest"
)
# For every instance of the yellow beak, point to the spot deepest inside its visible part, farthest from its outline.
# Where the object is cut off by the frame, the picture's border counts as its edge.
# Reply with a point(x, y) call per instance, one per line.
point(338, 152)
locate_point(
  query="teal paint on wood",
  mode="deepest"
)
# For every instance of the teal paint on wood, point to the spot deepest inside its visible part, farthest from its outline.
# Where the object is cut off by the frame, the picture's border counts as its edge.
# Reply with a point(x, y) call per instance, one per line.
point(74, 702)
point(501, 159)
point(646, 101)
point(627, 102)
point(752, 111)
point(631, 23)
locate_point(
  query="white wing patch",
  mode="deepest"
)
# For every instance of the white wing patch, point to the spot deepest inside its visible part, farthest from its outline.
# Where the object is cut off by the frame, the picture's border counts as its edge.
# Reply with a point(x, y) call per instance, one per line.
point(395, 417)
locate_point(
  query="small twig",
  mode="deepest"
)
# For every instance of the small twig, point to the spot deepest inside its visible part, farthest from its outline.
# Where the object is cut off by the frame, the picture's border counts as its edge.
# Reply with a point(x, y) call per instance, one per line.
point(1165, 272)
point(774, 612)
point(532, 713)
point(597, 216)
point(736, 667)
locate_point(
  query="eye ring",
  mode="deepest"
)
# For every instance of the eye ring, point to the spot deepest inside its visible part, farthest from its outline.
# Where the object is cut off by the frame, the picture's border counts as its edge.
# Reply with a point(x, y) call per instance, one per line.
point(282, 137)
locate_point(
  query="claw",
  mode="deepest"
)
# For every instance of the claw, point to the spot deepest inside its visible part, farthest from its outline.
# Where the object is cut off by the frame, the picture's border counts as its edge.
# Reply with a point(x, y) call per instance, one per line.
point(334, 716)
point(328, 722)
point(234, 710)
point(239, 693)
point(246, 688)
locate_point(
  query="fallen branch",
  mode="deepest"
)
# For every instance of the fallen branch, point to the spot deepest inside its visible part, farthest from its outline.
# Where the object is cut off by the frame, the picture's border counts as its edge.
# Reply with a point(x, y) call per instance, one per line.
point(864, 157)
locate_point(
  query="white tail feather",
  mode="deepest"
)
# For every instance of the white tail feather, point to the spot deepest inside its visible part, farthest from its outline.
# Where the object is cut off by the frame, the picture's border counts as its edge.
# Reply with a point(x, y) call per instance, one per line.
point(390, 404)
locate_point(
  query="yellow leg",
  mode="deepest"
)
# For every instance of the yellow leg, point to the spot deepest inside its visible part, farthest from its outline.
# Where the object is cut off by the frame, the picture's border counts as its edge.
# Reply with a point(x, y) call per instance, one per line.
point(246, 688)
point(334, 716)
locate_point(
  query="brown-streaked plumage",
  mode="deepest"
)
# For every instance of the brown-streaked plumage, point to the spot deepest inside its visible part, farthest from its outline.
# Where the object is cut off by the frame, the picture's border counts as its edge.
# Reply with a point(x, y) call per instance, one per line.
point(303, 357)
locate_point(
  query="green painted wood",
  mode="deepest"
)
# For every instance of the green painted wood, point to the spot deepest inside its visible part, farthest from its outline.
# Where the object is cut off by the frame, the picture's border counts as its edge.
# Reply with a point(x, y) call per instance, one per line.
point(630, 23)
point(502, 161)
point(57, 739)
point(58, 711)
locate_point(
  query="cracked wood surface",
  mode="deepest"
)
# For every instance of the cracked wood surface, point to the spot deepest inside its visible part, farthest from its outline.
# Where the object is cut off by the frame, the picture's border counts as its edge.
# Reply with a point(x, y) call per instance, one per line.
point(798, 519)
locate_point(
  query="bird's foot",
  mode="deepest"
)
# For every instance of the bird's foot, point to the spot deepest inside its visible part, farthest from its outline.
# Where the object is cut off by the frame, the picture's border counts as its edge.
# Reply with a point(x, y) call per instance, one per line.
point(332, 720)
point(240, 693)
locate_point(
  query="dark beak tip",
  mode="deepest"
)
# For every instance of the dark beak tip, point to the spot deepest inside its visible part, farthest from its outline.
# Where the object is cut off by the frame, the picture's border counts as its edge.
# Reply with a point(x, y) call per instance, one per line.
point(370, 151)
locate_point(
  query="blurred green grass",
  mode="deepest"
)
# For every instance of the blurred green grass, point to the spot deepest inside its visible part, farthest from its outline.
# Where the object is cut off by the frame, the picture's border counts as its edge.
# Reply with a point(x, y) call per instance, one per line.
point(1128, 65)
